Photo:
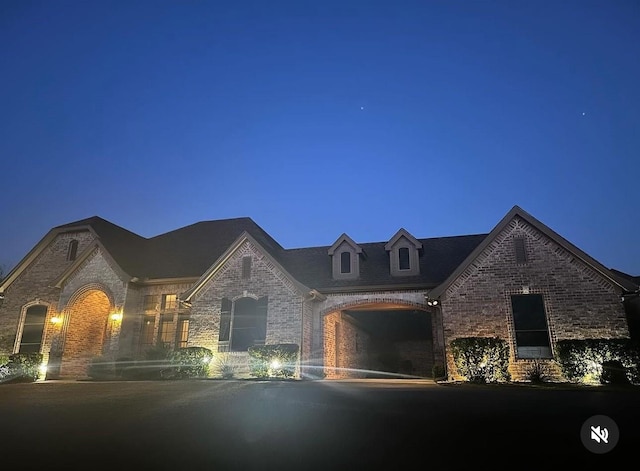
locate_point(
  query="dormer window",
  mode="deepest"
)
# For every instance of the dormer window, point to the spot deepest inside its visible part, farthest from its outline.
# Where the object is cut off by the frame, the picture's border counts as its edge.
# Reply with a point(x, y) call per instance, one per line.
point(345, 258)
point(404, 259)
point(345, 262)
point(404, 254)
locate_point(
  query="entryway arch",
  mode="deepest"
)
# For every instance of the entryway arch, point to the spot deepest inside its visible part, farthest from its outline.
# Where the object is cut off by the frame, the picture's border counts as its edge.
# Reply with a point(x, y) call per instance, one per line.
point(87, 329)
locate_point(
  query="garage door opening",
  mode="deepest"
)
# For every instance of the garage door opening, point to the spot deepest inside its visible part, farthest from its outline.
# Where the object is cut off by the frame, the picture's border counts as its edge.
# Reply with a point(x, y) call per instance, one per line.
point(378, 343)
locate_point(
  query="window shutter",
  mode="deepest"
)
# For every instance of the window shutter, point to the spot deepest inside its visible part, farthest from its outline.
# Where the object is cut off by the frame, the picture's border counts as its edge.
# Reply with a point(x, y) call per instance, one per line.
point(225, 320)
point(261, 320)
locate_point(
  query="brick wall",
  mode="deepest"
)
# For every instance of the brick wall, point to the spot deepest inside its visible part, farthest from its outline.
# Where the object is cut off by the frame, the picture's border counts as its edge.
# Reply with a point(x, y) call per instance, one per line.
point(35, 284)
point(579, 302)
point(285, 303)
point(346, 352)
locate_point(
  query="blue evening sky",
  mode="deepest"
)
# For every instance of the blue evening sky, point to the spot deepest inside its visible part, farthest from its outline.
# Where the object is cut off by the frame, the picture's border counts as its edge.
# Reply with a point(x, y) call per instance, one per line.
point(316, 118)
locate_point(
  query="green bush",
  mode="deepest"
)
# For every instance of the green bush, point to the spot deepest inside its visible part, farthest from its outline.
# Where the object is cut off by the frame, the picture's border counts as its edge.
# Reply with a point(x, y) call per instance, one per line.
point(24, 367)
point(437, 372)
point(583, 360)
point(273, 361)
point(226, 366)
point(101, 368)
point(481, 359)
point(536, 372)
point(191, 362)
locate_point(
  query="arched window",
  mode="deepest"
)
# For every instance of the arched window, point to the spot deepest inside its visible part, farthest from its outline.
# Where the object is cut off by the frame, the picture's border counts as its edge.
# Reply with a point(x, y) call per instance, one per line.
point(32, 329)
point(243, 323)
point(72, 250)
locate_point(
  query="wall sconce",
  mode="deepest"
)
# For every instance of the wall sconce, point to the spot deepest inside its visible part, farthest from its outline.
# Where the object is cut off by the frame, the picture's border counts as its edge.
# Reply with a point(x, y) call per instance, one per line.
point(56, 320)
point(116, 316)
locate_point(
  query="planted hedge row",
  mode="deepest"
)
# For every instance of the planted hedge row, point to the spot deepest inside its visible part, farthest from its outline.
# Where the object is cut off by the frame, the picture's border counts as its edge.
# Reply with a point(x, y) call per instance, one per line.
point(273, 361)
point(20, 367)
point(158, 363)
point(481, 359)
point(484, 360)
point(599, 360)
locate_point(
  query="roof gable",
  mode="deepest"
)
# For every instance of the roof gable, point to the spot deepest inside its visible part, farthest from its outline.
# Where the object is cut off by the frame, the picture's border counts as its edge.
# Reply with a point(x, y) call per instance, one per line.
point(400, 234)
point(348, 240)
point(516, 211)
point(187, 296)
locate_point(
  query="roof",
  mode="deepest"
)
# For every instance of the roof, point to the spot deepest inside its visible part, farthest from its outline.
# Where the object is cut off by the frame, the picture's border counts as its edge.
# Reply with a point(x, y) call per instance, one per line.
point(515, 212)
point(440, 256)
point(191, 251)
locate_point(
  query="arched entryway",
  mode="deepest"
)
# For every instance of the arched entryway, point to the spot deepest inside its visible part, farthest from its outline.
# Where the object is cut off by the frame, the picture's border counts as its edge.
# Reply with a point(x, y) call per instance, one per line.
point(86, 331)
point(378, 340)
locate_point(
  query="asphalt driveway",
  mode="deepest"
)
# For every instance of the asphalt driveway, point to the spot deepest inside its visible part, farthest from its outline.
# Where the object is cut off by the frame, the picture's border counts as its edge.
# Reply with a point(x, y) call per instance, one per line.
point(213, 424)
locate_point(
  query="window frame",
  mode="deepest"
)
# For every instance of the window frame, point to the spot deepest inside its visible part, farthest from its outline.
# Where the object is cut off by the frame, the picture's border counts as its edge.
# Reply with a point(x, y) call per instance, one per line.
point(403, 250)
point(231, 326)
point(345, 259)
point(24, 322)
point(528, 351)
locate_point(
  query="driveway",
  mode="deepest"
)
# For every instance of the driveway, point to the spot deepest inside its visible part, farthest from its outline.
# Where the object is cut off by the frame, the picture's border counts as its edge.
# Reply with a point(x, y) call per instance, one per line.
point(244, 425)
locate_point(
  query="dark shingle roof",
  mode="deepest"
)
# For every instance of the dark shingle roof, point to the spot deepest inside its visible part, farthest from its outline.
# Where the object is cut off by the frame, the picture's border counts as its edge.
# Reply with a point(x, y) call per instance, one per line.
point(191, 250)
point(124, 246)
point(438, 258)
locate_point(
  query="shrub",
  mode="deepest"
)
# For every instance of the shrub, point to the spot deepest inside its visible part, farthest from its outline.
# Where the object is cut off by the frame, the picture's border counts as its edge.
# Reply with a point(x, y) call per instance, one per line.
point(481, 359)
point(273, 361)
point(613, 372)
point(24, 367)
point(101, 368)
point(226, 366)
point(437, 372)
point(191, 362)
point(583, 360)
point(536, 372)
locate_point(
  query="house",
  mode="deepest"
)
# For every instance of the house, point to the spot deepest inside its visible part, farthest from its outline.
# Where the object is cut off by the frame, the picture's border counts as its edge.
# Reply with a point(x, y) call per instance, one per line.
point(355, 309)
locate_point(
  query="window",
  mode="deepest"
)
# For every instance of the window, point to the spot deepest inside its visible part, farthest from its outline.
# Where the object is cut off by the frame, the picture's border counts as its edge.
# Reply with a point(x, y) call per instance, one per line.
point(246, 268)
point(32, 330)
point(72, 250)
point(151, 302)
point(183, 332)
point(243, 323)
point(403, 258)
point(169, 301)
point(148, 324)
point(530, 322)
point(167, 330)
point(521, 253)
point(345, 262)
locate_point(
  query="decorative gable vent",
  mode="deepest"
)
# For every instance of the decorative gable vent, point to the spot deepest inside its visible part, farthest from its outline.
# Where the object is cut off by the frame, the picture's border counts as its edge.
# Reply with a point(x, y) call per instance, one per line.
point(345, 258)
point(404, 254)
point(520, 250)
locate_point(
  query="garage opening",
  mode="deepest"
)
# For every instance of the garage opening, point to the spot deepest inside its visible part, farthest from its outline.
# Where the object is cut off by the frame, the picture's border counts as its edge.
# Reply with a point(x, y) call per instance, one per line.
point(378, 342)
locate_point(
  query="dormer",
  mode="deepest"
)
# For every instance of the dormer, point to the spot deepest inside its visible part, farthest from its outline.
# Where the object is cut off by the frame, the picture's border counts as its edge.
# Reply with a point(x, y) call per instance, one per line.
point(404, 254)
point(345, 258)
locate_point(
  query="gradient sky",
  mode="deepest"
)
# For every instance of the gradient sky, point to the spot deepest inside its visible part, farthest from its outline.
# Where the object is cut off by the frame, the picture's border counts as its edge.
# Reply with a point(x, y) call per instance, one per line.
point(316, 118)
